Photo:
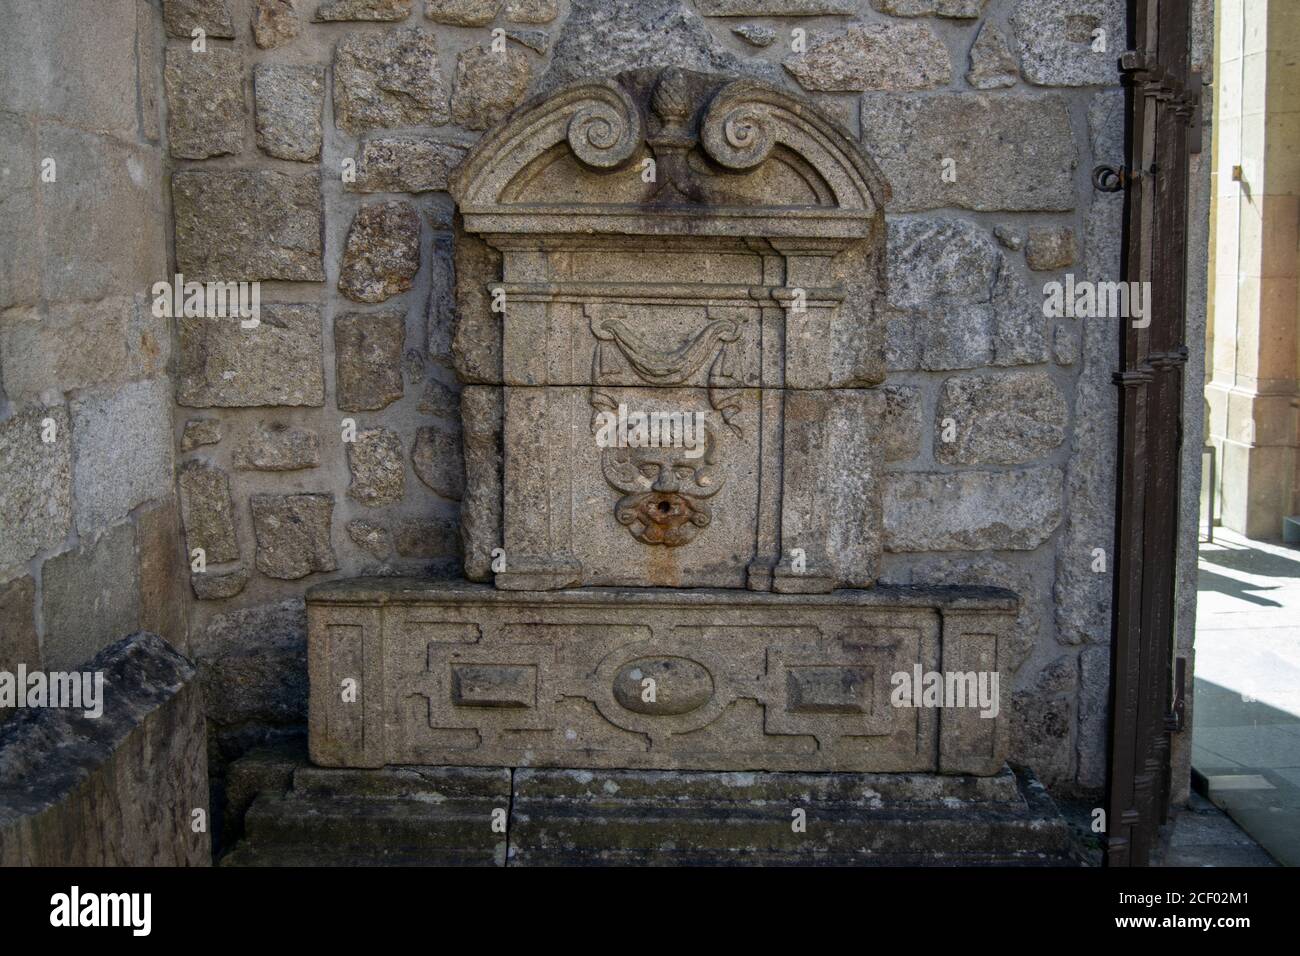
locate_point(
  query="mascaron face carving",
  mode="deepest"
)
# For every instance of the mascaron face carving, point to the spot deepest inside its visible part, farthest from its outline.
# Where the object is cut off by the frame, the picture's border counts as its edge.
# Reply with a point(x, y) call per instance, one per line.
point(665, 490)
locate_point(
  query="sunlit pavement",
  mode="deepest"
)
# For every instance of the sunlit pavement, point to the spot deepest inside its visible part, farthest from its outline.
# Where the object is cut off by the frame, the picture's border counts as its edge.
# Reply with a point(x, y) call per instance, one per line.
point(1246, 718)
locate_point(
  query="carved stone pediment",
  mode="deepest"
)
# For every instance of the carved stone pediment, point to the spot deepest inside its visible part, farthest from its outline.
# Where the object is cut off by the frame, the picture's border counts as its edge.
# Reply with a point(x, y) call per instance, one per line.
point(670, 152)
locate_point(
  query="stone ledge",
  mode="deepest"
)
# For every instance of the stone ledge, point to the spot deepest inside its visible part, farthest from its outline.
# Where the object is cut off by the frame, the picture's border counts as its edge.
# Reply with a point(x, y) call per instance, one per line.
point(135, 774)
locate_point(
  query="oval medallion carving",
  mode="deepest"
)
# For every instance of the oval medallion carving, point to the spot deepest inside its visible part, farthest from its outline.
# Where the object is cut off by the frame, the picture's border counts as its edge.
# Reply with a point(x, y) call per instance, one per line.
point(663, 686)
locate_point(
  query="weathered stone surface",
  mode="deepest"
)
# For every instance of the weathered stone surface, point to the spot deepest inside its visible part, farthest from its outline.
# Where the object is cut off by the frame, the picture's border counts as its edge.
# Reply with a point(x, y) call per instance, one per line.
point(605, 37)
point(20, 266)
point(262, 681)
point(162, 561)
point(539, 41)
point(1009, 238)
point(376, 463)
point(462, 13)
point(488, 85)
point(208, 512)
point(1094, 712)
point(902, 426)
point(72, 345)
point(293, 534)
point(875, 56)
point(218, 585)
point(1065, 345)
point(755, 34)
point(911, 135)
point(810, 686)
point(124, 451)
point(1019, 326)
point(532, 11)
point(481, 507)
point(1057, 40)
point(1050, 248)
point(388, 79)
point(436, 458)
point(405, 165)
point(960, 9)
point(367, 359)
point(1042, 720)
point(1006, 419)
point(971, 511)
point(773, 8)
point(35, 483)
point(382, 254)
point(205, 102)
point(275, 22)
point(19, 644)
point(246, 224)
point(276, 363)
point(374, 10)
point(119, 789)
point(372, 538)
point(985, 571)
point(289, 104)
point(201, 431)
point(181, 17)
point(90, 598)
point(427, 538)
point(992, 64)
point(276, 446)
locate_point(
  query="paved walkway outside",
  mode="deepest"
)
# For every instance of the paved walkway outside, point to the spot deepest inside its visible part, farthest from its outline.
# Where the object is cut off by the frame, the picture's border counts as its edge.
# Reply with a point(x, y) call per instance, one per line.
point(1246, 718)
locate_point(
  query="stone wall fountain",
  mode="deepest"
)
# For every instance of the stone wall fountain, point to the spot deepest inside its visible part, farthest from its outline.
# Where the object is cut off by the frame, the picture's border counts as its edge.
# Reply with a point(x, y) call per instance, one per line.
point(677, 243)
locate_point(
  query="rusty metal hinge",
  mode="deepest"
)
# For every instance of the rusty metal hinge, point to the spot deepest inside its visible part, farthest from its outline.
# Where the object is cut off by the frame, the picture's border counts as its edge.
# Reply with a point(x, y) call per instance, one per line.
point(1176, 719)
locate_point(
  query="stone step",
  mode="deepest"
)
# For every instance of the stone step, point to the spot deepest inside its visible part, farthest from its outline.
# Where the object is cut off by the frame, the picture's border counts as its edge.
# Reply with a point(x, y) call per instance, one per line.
point(401, 826)
point(622, 817)
point(435, 784)
point(250, 854)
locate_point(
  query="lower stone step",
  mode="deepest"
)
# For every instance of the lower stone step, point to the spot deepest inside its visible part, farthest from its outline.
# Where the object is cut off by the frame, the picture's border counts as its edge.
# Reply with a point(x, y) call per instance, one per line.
point(452, 816)
point(637, 818)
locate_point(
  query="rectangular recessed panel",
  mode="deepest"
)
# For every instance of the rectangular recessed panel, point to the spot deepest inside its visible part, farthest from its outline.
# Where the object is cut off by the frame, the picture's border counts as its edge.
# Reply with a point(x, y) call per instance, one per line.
point(828, 690)
point(494, 685)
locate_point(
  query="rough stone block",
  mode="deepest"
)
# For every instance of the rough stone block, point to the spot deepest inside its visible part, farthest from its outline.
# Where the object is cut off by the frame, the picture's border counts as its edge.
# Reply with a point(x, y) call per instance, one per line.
point(275, 22)
point(462, 13)
point(1050, 248)
point(182, 17)
point(606, 37)
point(532, 11)
point(427, 538)
point(957, 9)
point(1060, 45)
point(774, 8)
point(117, 790)
point(374, 10)
point(437, 460)
point(35, 483)
point(972, 511)
point(382, 253)
point(205, 102)
point(388, 79)
point(1007, 419)
point(405, 165)
point(208, 512)
point(236, 225)
point(90, 598)
point(20, 266)
point(201, 431)
point(902, 427)
point(276, 363)
point(377, 466)
point(488, 85)
point(372, 538)
point(367, 359)
point(875, 56)
point(218, 585)
point(289, 103)
point(276, 446)
point(911, 135)
point(124, 451)
point(66, 347)
point(992, 64)
point(293, 534)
